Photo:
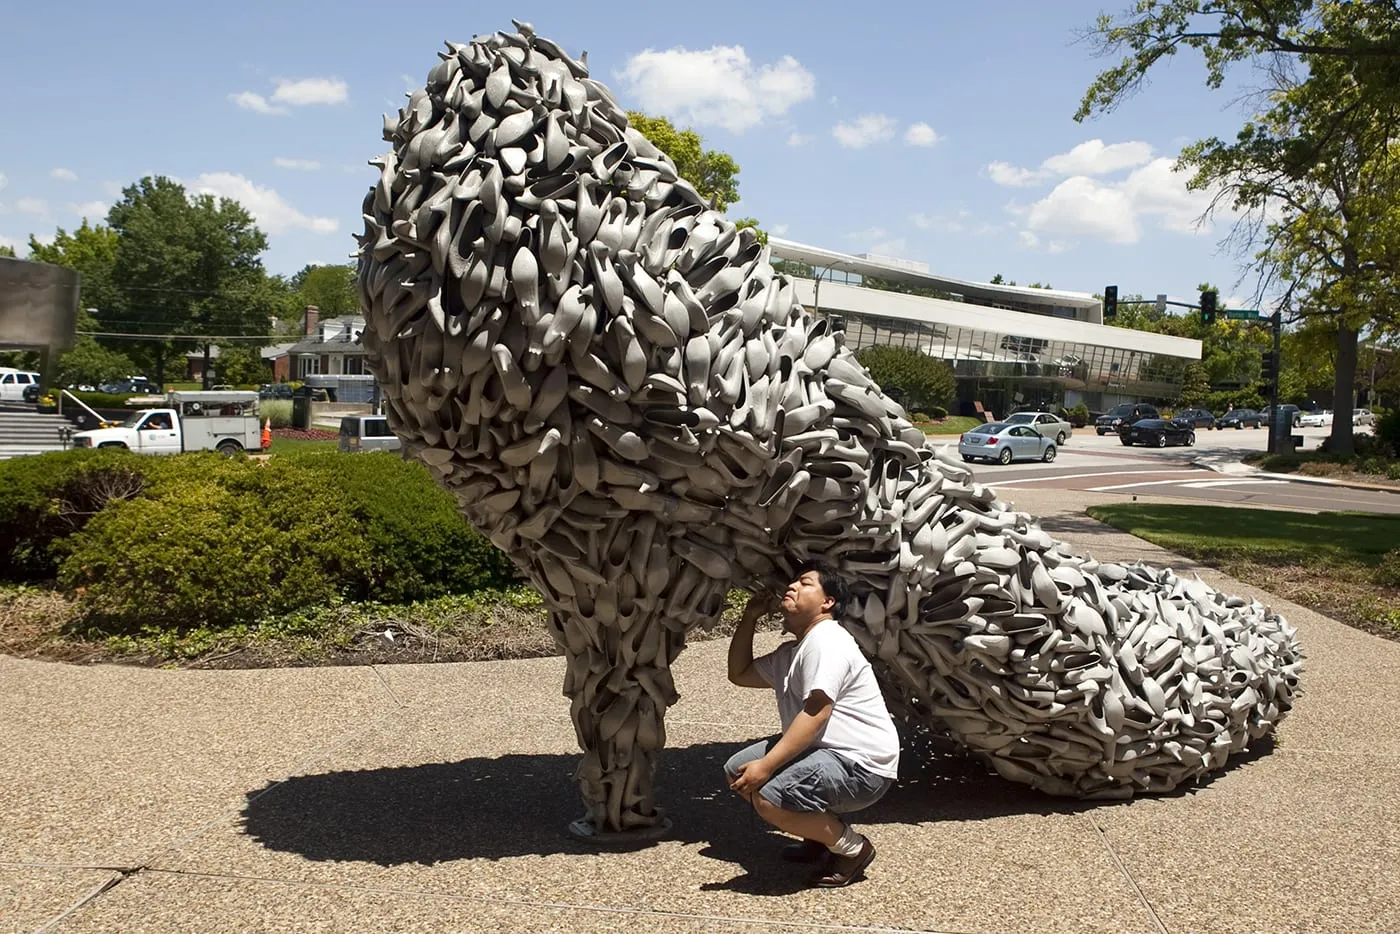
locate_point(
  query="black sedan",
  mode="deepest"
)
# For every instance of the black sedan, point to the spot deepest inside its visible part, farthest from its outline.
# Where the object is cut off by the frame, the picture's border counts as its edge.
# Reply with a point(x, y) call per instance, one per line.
point(1199, 418)
point(1157, 432)
point(1241, 418)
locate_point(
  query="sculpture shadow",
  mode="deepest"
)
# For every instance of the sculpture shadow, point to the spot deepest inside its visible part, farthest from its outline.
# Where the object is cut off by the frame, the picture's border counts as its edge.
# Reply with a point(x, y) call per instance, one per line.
point(520, 805)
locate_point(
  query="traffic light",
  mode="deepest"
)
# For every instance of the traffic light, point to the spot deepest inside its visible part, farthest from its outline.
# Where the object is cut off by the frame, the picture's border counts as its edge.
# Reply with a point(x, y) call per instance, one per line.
point(1208, 307)
point(1269, 372)
point(1110, 301)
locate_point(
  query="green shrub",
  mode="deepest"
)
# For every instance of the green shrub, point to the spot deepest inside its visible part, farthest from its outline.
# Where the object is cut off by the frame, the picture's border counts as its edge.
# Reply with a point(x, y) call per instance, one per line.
point(919, 418)
point(106, 400)
point(1079, 415)
point(45, 498)
point(1388, 431)
point(426, 546)
point(937, 413)
point(198, 540)
point(278, 411)
point(1387, 573)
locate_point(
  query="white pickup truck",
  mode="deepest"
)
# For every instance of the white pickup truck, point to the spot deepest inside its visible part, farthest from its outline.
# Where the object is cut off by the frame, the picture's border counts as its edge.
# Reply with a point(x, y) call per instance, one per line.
point(226, 422)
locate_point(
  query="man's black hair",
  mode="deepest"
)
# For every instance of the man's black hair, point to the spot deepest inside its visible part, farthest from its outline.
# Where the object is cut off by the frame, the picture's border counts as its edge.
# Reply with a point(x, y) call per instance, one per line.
point(833, 585)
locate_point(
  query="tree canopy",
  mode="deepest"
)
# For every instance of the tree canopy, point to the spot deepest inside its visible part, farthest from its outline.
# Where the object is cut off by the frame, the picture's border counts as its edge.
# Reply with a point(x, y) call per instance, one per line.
point(1314, 176)
point(330, 288)
point(187, 267)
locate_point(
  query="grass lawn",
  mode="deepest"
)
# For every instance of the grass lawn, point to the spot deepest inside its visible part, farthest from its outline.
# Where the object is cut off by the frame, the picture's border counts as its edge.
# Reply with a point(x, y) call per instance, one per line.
point(1335, 563)
point(952, 425)
point(287, 445)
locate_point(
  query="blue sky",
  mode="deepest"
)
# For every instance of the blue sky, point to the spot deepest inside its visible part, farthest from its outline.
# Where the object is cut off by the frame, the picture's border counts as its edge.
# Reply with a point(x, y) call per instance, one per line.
point(935, 132)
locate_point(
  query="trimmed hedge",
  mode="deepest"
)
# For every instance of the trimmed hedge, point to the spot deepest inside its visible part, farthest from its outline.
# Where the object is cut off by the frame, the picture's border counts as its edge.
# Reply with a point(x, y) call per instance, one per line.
point(199, 540)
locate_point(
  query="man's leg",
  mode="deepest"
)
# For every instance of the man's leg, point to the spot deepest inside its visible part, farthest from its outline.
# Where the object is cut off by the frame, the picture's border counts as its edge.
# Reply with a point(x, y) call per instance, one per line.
point(822, 826)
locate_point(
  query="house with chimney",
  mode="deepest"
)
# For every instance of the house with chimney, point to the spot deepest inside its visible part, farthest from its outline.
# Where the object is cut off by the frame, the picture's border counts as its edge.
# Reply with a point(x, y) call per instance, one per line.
point(329, 347)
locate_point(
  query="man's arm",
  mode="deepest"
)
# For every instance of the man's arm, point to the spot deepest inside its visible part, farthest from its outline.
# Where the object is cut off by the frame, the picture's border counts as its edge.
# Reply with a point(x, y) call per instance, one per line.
point(796, 739)
point(741, 668)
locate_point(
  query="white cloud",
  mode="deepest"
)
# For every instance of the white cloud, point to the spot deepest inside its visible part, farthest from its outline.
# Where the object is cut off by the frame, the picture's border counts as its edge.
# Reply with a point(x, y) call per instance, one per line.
point(64, 175)
point(869, 233)
point(778, 230)
point(44, 239)
point(36, 206)
point(1117, 212)
point(798, 139)
point(311, 91)
point(718, 86)
point(247, 100)
point(273, 214)
point(3, 180)
point(866, 130)
point(893, 248)
point(1091, 157)
point(1008, 175)
point(92, 210)
point(304, 165)
point(921, 134)
point(1080, 206)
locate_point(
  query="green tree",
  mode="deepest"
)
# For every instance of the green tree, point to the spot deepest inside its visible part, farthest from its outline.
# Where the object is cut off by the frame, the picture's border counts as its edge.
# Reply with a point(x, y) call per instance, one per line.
point(1361, 35)
point(330, 288)
point(7, 251)
point(1315, 175)
point(913, 379)
point(1195, 386)
point(188, 269)
point(714, 174)
point(240, 363)
point(92, 252)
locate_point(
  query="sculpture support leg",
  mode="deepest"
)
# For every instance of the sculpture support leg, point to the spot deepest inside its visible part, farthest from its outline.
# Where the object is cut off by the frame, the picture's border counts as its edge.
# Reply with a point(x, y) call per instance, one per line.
point(619, 684)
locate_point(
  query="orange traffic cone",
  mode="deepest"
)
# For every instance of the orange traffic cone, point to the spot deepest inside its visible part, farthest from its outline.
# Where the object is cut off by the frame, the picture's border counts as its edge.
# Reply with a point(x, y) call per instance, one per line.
point(267, 434)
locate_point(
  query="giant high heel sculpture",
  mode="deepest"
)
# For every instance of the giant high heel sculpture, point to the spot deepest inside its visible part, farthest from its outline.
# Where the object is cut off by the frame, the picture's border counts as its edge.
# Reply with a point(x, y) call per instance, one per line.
point(625, 398)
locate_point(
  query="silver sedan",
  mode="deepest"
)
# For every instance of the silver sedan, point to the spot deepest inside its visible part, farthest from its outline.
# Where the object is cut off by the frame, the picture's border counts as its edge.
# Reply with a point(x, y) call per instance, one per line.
point(1003, 442)
point(1051, 426)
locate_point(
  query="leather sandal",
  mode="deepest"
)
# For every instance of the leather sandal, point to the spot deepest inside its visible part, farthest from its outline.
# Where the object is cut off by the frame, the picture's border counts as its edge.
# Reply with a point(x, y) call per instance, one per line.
point(843, 870)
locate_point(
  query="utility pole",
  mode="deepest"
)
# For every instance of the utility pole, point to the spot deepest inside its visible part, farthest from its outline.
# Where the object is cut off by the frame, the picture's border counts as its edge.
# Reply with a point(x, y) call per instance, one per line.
point(1278, 432)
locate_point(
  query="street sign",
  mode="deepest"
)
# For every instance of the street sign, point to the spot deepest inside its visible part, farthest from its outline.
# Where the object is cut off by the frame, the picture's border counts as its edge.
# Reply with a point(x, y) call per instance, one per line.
point(1242, 314)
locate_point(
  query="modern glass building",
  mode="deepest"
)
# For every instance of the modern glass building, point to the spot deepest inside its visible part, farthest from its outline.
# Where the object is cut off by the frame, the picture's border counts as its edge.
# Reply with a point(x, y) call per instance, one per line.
point(1009, 346)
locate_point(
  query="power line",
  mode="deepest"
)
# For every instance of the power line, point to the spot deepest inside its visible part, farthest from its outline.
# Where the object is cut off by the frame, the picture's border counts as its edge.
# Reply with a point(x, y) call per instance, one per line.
point(279, 338)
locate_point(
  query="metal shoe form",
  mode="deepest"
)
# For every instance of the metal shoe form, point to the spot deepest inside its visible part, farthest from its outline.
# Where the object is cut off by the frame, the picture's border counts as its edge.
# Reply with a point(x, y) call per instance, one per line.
point(626, 399)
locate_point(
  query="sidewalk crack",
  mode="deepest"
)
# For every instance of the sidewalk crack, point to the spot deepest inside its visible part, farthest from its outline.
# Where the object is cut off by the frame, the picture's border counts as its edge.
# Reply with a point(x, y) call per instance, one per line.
point(1123, 870)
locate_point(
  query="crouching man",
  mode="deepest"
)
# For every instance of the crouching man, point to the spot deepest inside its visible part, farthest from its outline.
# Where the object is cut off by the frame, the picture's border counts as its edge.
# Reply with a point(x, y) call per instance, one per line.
point(838, 751)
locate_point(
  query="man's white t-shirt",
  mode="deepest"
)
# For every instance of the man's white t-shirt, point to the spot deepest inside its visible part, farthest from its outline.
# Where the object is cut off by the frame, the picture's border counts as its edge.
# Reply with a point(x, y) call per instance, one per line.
point(827, 659)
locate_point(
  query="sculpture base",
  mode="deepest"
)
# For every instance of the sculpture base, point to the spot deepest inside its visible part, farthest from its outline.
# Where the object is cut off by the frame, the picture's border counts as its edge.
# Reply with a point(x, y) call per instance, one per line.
point(582, 829)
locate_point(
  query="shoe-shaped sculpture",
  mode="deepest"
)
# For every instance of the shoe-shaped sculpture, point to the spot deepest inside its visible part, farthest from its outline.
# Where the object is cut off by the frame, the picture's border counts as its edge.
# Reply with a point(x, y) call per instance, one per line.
point(625, 398)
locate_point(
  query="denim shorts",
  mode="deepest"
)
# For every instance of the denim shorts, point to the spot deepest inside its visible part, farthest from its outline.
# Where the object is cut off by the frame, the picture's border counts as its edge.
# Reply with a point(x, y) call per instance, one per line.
point(818, 780)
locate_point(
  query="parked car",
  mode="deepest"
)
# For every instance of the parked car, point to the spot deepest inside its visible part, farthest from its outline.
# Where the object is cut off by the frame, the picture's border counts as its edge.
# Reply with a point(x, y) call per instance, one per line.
point(132, 384)
point(274, 391)
point(367, 433)
point(1198, 418)
point(14, 382)
point(1322, 419)
point(1051, 426)
point(1363, 417)
point(1004, 443)
point(1291, 414)
point(1128, 412)
point(1241, 418)
point(31, 392)
point(1157, 432)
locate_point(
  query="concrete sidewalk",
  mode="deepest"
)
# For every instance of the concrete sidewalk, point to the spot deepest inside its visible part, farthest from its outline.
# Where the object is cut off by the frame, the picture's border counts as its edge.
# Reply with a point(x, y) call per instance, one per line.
point(435, 798)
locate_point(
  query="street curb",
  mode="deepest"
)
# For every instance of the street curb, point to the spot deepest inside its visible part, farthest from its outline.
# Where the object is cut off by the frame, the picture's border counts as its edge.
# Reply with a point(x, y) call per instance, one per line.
point(1319, 481)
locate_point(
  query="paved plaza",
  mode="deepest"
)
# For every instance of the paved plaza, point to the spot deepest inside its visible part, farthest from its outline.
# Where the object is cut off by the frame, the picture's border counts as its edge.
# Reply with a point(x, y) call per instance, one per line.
point(435, 798)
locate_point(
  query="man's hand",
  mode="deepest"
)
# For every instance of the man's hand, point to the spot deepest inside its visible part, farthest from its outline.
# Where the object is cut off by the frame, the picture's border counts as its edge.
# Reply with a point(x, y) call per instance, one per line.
point(761, 604)
point(752, 776)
